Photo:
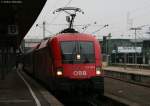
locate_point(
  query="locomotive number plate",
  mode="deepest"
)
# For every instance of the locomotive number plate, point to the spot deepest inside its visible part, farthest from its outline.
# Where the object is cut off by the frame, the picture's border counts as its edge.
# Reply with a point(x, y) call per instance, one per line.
point(79, 73)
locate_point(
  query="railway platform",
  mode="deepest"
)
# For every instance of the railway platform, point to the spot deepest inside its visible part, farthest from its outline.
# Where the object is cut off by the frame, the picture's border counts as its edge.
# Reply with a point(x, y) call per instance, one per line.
point(139, 71)
point(128, 85)
point(18, 89)
point(133, 75)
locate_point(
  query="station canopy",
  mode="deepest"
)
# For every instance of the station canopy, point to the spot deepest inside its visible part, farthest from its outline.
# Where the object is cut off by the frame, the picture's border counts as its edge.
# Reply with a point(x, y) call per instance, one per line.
point(16, 18)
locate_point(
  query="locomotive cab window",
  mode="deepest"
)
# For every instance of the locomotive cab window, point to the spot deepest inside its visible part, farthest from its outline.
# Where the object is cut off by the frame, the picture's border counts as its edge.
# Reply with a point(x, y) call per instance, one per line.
point(77, 52)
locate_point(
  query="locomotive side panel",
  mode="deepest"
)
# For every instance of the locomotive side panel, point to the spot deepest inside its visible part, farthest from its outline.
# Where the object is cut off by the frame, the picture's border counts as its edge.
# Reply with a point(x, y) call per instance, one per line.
point(43, 65)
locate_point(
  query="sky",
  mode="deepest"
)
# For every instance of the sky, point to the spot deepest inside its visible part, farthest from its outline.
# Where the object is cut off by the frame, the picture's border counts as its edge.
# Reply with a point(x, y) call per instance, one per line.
point(120, 15)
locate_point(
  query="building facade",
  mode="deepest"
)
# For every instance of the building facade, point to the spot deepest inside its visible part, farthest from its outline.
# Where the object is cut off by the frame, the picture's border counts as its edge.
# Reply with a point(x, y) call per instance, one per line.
point(146, 52)
point(124, 51)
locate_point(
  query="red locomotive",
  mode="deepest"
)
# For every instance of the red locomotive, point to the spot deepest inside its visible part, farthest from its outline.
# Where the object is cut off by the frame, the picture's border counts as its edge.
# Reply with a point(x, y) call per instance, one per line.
point(69, 61)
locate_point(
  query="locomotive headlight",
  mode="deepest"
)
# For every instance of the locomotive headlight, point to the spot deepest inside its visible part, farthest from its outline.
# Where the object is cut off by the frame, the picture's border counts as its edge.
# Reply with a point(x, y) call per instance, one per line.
point(59, 71)
point(98, 70)
point(78, 56)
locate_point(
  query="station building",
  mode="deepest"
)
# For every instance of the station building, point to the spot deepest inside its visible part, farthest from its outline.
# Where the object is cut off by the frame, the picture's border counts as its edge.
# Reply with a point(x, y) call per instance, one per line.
point(126, 51)
point(146, 52)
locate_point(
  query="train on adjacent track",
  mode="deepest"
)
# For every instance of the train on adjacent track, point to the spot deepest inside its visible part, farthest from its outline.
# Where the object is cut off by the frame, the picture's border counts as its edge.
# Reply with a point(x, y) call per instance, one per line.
point(69, 61)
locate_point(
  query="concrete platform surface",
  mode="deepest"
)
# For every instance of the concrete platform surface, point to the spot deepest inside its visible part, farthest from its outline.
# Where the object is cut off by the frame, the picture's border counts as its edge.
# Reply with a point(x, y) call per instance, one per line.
point(15, 90)
point(139, 71)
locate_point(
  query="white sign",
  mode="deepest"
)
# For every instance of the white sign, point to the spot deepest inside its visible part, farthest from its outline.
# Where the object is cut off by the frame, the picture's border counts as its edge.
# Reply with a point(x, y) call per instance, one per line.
point(129, 49)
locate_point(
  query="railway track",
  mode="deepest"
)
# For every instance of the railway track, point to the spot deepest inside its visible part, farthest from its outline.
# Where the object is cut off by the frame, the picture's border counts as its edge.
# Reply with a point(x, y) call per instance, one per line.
point(126, 92)
point(129, 81)
point(88, 101)
point(104, 101)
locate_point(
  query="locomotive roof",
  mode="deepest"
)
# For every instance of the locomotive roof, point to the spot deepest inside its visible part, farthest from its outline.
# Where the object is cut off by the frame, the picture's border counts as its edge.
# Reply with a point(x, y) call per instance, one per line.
point(65, 37)
point(75, 36)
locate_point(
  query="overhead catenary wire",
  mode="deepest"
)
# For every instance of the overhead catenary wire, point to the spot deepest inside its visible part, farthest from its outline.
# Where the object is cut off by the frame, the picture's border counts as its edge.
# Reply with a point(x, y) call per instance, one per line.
point(78, 25)
point(54, 5)
point(45, 15)
point(56, 17)
point(45, 28)
point(100, 29)
point(68, 3)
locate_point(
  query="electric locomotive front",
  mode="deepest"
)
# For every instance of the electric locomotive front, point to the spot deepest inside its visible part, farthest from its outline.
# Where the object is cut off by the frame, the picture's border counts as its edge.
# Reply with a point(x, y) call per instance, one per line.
point(77, 60)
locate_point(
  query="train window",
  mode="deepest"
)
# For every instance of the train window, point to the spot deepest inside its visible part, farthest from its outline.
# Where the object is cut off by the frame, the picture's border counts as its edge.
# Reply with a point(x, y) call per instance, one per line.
point(68, 51)
point(68, 47)
point(71, 49)
point(87, 52)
